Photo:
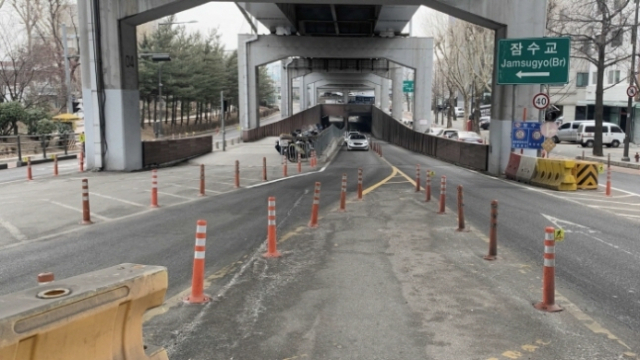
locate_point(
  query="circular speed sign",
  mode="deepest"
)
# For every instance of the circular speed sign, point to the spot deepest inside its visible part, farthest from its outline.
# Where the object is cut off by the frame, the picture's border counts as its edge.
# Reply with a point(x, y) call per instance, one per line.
point(541, 101)
point(632, 91)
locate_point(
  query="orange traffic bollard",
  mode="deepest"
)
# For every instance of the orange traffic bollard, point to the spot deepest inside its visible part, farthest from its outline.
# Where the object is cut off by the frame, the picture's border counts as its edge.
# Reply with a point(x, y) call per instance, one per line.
point(154, 188)
point(417, 177)
point(313, 223)
point(460, 209)
point(443, 191)
point(55, 165)
point(548, 302)
point(493, 232)
point(86, 212)
point(197, 295)
point(272, 250)
point(380, 150)
point(264, 169)
point(29, 173)
point(343, 194)
point(284, 166)
point(428, 186)
point(299, 163)
point(202, 190)
point(359, 184)
point(81, 160)
point(608, 188)
point(236, 183)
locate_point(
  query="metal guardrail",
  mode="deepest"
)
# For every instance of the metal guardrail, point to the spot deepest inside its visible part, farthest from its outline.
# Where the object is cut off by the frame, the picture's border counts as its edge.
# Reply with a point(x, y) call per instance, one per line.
point(475, 156)
point(21, 146)
point(324, 139)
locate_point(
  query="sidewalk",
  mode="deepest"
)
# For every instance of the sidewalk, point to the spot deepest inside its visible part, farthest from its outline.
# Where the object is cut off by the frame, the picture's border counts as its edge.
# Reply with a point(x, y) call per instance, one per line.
point(388, 279)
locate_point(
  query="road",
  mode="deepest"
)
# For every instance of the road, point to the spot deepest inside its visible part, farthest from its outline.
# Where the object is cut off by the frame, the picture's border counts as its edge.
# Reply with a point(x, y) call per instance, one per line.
point(600, 256)
point(598, 260)
point(236, 222)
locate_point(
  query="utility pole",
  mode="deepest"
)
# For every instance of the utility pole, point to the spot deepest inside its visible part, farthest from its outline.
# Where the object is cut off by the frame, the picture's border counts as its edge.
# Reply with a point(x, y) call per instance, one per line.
point(632, 80)
point(161, 102)
point(224, 141)
point(67, 71)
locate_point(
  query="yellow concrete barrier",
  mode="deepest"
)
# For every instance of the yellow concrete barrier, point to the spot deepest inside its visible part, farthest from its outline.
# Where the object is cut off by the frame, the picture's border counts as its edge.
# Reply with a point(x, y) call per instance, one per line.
point(586, 173)
point(95, 316)
point(555, 174)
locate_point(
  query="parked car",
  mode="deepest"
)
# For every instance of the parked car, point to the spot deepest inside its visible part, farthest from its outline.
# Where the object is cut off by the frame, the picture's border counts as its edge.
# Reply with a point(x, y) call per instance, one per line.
point(357, 142)
point(467, 136)
point(435, 131)
point(568, 131)
point(612, 134)
point(485, 121)
point(459, 112)
point(448, 133)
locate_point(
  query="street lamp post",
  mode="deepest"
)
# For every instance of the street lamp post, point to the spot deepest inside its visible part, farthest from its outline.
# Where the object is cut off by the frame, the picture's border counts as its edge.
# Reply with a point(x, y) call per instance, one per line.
point(158, 57)
point(632, 79)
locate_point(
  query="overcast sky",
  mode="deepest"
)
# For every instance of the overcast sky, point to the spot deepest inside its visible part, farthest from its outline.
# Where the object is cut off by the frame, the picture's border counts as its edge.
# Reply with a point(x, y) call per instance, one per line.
point(227, 18)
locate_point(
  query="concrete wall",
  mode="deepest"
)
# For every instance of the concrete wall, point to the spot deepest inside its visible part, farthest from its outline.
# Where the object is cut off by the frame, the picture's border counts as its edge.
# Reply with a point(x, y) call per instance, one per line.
point(167, 151)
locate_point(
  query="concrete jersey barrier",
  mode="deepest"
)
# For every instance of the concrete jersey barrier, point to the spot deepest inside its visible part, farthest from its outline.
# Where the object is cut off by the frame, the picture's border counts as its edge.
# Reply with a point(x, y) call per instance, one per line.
point(95, 316)
point(526, 169)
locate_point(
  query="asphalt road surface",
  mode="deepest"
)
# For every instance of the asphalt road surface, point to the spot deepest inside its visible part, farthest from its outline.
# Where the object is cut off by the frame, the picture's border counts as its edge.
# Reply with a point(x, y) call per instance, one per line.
point(237, 224)
point(598, 259)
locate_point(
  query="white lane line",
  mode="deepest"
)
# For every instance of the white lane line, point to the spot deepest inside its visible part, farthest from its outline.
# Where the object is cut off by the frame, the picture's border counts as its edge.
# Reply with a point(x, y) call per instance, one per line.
point(169, 194)
point(78, 210)
point(612, 208)
point(624, 191)
point(116, 199)
point(610, 202)
point(14, 231)
point(630, 216)
point(194, 188)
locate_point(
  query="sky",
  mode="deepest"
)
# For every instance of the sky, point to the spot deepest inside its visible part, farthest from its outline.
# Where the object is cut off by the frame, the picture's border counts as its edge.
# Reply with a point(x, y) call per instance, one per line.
point(229, 20)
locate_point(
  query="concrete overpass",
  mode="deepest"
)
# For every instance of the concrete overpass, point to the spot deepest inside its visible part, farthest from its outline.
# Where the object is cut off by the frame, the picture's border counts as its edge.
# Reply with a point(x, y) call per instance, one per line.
point(317, 29)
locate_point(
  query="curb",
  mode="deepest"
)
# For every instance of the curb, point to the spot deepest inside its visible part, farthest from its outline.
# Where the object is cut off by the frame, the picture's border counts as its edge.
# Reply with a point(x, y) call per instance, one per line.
point(623, 164)
point(39, 161)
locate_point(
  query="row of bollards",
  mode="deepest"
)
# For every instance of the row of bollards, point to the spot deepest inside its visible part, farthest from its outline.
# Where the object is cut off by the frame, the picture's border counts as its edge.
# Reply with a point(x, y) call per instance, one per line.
point(548, 297)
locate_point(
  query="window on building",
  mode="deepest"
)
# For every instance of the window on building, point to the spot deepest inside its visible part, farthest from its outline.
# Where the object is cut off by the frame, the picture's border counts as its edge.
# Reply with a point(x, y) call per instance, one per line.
point(594, 78)
point(582, 79)
point(614, 76)
point(616, 40)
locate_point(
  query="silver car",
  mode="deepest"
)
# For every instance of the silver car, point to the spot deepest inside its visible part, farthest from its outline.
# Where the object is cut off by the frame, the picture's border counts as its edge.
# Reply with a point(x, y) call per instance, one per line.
point(357, 142)
point(568, 131)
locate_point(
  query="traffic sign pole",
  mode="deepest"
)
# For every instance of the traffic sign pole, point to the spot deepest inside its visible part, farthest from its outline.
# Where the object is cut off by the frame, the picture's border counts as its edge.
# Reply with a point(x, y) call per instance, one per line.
point(541, 118)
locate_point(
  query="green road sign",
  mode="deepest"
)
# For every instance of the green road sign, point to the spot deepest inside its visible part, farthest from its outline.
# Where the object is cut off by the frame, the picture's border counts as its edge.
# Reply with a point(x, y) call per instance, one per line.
point(533, 61)
point(407, 86)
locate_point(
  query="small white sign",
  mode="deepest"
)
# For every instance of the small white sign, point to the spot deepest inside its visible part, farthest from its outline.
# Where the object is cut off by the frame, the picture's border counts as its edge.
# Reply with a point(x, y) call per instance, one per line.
point(541, 101)
point(632, 91)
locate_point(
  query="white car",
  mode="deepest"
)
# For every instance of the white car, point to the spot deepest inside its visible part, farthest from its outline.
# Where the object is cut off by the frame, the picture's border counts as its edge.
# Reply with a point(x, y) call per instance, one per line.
point(357, 142)
point(348, 134)
point(467, 136)
point(612, 134)
point(435, 131)
point(459, 112)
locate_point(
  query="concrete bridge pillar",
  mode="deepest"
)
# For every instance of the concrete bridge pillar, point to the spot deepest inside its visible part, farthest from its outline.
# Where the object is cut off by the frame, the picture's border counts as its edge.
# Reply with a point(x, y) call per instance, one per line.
point(396, 101)
point(314, 95)
point(112, 141)
point(384, 96)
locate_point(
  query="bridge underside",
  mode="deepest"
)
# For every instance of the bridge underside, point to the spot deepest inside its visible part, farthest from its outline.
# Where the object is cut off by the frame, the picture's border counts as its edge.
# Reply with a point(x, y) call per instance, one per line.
point(111, 96)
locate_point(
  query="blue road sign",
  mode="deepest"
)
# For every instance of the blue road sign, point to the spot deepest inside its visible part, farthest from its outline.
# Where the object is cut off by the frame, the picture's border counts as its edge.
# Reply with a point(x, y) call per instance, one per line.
point(526, 135)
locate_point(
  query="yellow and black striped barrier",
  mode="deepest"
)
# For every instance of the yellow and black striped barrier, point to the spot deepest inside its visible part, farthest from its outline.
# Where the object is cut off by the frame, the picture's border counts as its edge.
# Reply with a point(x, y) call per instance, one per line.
point(586, 173)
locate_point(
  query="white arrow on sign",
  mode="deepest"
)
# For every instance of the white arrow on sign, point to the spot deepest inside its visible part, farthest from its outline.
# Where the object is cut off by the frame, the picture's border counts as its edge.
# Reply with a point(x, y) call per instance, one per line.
point(521, 74)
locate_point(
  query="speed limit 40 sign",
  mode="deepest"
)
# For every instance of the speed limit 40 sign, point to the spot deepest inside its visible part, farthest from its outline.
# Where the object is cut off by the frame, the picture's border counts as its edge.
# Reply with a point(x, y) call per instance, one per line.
point(541, 101)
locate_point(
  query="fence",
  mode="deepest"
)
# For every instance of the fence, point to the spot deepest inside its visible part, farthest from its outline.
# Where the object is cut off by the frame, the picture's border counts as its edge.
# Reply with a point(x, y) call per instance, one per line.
point(21, 146)
point(471, 155)
point(323, 141)
point(301, 120)
point(161, 152)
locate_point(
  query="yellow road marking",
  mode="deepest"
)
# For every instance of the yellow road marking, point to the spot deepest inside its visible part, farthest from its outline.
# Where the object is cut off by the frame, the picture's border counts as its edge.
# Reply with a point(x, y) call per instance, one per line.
point(394, 171)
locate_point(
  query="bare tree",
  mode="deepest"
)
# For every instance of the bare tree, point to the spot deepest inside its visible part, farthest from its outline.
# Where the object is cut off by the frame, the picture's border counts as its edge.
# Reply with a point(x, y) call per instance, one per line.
point(29, 12)
point(467, 51)
point(597, 29)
